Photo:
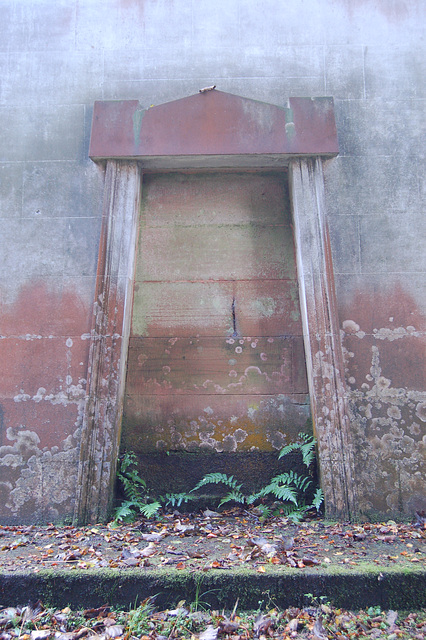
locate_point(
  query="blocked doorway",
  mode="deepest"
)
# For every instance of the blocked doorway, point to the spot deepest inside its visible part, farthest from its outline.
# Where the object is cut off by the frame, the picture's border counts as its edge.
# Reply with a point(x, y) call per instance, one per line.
point(216, 131)
point(216, 359)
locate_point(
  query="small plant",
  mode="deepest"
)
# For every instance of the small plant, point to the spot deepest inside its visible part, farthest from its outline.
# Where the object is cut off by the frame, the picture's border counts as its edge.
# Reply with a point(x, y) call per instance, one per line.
point(287, 492)
point(139, 618)
point(234, 494)
point(135, 492)
point(289, 488)
point(175, 499)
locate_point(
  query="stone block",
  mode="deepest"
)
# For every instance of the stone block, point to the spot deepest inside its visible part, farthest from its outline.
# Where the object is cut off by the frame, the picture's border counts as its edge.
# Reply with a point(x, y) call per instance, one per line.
point(39, 78)
point(53, 364)
point(387, 367)
point(363, 185)
point(32, 247)
point(183, 308)
point(215, 25)
point(394, 128)
point(51, 132)
point(47, 307)
point(61, 189)
point(214, 423)
point(267, 308)
point(382, 303)
point(344, 72)
point(372, 24)
point(227, 252)
point(395, 73)
point(215, 365)
point(206, 308)
point(294, 23)
point(51, 423)
point(81, 246)
point(389, 242)
point(181, 199)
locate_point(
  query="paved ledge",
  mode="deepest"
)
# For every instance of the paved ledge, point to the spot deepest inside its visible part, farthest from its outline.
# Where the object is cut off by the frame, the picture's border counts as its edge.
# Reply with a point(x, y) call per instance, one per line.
point(396, 588)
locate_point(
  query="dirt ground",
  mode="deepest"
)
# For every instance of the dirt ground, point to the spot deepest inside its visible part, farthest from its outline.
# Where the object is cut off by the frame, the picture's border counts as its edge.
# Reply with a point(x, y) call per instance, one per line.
point(209, 541)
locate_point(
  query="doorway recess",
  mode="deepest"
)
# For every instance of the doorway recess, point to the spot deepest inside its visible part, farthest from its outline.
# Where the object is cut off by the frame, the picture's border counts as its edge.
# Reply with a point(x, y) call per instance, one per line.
point(226, 136)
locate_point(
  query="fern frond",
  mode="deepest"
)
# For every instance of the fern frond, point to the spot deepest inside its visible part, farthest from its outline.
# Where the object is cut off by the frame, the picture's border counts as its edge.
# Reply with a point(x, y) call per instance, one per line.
point(284, 493)
point(293, 513)
point(308, 451)
point(125, 512)
point(293, 446)
point(318, 499)
point(251, 499)
point(150, 509)
point(265, 511)
point(217, 478)
point(175, 499)
point(233, 496)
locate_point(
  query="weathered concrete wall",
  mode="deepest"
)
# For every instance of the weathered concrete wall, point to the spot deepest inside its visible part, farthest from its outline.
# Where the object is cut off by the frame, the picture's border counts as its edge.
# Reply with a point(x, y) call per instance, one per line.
point(57, 58)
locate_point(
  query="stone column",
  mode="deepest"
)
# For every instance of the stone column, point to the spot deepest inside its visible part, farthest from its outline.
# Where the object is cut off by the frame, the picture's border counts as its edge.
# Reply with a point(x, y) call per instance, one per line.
point(324, 359)
point(100, 437)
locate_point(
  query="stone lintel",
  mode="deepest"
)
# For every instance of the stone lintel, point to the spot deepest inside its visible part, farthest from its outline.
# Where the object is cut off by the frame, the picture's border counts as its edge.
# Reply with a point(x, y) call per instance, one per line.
point(213, 129)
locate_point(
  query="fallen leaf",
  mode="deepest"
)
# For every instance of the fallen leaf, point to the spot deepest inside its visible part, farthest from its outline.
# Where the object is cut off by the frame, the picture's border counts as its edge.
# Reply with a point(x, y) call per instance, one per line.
point(114, 631)
point(319, 631)
point(153, 537)
point(148, 551)
point(228, 626)
point(262, 624)
point(40, 634)
point(209, 634)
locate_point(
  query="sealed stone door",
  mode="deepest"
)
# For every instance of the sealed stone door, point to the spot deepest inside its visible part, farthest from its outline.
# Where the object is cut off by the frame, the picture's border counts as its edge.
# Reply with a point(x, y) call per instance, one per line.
point(216, 360)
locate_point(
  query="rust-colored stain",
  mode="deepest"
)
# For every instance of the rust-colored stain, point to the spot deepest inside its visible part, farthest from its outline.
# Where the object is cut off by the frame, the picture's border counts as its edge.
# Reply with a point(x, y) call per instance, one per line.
point(216, 365)
point(44, 350)
point(213, 124)
point(384, 347)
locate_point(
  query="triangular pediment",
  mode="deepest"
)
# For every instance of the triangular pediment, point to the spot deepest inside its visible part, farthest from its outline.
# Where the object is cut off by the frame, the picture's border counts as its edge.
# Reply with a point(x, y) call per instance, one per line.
point(213, 125)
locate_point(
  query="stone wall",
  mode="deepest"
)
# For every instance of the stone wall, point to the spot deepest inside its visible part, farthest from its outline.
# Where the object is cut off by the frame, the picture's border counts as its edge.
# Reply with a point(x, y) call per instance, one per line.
point(56, 59)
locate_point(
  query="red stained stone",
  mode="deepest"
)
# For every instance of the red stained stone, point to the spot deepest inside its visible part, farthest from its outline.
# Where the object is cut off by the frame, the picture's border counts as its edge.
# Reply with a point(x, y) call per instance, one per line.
point(51, 422)
point(214, 365)
point(44, 362)
point(42, 311)
point(392, 324)
point(373, 306)
point(213, 123)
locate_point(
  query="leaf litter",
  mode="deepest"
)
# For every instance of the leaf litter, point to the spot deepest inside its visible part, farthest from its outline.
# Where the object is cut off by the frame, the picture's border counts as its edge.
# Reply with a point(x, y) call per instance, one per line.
point(213, 541)
point(318, 621)
point(210, 541)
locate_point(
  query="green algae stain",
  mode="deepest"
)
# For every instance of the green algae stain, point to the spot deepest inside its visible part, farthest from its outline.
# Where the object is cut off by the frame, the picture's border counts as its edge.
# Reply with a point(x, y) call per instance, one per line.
point(137, 124)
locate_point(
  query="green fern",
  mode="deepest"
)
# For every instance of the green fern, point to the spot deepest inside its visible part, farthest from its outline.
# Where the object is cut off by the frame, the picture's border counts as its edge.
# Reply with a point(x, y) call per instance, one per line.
point(175, 499)
point(318, 499)
point(124, 512)
point(287, 490)
point(135, 491)
point(306, 448)
point(284, 493)
point(234, 496)
point(293, 446)
point(216, 478)
point(295, 514)
point(150, 509)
